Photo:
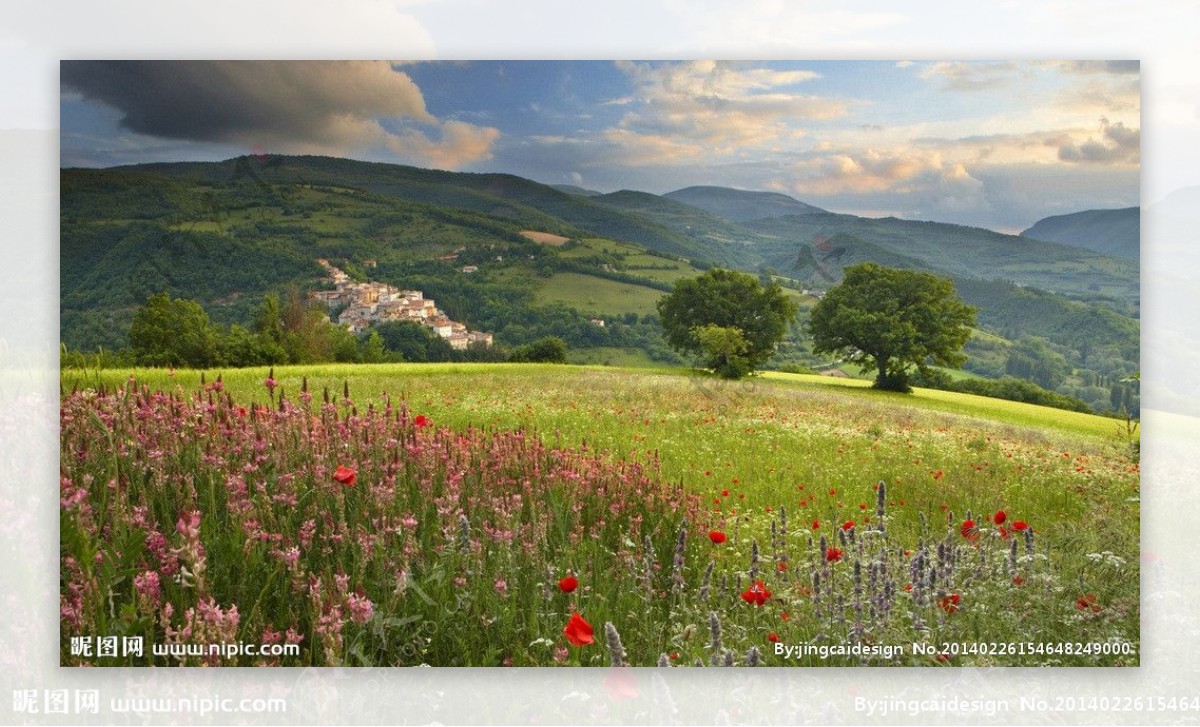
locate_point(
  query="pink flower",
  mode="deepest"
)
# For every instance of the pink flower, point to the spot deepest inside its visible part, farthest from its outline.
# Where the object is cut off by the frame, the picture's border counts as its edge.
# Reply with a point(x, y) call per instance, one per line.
point(361, 608)
point(149, 588)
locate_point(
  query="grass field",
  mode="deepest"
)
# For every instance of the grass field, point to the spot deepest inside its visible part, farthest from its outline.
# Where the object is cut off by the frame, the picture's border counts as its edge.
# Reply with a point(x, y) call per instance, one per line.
point(775, 465)
point(592, 294)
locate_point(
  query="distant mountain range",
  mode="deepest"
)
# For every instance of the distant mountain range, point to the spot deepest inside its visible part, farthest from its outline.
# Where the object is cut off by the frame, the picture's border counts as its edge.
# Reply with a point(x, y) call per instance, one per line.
point(738, 205)
point(1112, 232)
point(227, 233)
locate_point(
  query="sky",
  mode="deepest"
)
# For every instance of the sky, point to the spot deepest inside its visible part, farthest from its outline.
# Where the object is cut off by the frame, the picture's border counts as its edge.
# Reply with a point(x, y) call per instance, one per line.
point(995, 144)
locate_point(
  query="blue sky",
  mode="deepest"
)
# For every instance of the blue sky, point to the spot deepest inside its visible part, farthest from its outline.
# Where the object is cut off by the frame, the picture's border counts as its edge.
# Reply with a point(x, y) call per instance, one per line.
point(996, 144)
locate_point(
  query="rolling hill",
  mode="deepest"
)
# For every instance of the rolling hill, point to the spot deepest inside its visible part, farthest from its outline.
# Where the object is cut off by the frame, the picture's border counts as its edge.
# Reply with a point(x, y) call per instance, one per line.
point(738, 205)
point(1112, 232)
point(228, 233)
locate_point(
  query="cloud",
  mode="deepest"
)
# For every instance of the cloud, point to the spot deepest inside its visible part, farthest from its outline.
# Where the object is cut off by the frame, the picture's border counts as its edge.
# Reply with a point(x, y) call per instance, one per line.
point(286, 106)
point(963, 76)
point(901, 171)
point(1118, 144)
point(460, 143)
point(1104, 94)
point(718, 107)
point(1092, 67)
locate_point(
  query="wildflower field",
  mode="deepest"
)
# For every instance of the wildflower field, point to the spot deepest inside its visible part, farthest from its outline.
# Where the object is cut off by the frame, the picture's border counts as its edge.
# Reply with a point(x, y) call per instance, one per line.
point(488, 515)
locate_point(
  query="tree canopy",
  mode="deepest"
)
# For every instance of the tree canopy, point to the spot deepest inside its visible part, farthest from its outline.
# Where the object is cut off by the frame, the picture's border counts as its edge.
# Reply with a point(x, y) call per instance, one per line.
point(892, 320)
point(729, 319)
point(173, 332)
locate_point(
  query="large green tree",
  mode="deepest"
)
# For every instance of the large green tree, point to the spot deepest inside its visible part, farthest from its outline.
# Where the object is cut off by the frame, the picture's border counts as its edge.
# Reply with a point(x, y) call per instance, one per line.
point(729, 319)
point(173, 332)
point(890, 321)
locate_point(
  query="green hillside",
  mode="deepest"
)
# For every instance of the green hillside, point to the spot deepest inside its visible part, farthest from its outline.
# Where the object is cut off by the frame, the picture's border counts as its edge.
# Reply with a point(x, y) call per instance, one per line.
point(228, 234)
point(738, 205)
point(1112, 232)
point(963, 252)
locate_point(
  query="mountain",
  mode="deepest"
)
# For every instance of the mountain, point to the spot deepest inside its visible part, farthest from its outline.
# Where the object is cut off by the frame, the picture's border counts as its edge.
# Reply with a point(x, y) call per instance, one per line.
point(738, 205)
point(543, 261)
point(1112, 232)
point(954, 250)
point(577, 191)
point(499, 196)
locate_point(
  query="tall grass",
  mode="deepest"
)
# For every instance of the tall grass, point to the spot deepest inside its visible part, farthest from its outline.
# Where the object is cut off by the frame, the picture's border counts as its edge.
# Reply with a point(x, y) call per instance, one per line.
point(477, 489)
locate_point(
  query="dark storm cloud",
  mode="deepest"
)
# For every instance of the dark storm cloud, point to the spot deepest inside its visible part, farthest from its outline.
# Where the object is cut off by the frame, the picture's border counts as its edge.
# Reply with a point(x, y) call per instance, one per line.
point(286, 106)
point(309, 103)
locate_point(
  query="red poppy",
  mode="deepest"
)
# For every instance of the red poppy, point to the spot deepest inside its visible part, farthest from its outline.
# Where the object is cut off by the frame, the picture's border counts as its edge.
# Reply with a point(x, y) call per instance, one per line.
point(578, 631)
point(345, 475)
point(785, 616)
point(938, 475)
point(848, 525)
point(422, 421)
point(1088, 603)
point(833, 555)
point(968, 530)
point(1018, 580)
point(568, 584)
point(717, 537)
point(1020, 525)
point(724, 493)
point(773, 637)
point(999, 517)
point(757, 593)
point(816, 525)
point(949, 604)
point(908, 587)
point(674, 655)
point(781, 566)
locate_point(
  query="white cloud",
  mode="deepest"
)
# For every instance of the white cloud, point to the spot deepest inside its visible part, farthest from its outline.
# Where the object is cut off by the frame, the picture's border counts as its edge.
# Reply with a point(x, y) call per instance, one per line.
point(717, 107)
point(964, 76)
point(460, 144)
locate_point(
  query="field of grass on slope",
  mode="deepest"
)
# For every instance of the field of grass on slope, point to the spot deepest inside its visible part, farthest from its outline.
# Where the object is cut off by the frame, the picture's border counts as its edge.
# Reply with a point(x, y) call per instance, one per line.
point(785, 469)
point(592, 294)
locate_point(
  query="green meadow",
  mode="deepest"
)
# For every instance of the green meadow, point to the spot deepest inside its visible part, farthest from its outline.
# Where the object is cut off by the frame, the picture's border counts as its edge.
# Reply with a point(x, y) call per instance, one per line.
point(802, 454)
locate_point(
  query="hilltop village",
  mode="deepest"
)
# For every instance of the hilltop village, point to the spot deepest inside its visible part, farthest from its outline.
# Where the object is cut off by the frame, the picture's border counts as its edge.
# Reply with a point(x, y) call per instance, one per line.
point(365, 303)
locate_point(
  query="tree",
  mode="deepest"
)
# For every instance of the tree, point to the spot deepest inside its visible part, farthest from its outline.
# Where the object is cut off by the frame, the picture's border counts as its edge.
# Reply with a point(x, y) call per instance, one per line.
point(725, 348)
point(550, 349)
point(414, 342)
point(173, 332)
point(307, 331)
point(729, 319)
point(372, 347)
point(891, 320)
